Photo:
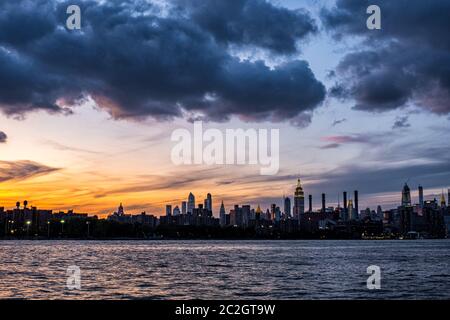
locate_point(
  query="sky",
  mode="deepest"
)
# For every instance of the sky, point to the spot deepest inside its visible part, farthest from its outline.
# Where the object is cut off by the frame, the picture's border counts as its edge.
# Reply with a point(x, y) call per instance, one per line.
point(86, 116)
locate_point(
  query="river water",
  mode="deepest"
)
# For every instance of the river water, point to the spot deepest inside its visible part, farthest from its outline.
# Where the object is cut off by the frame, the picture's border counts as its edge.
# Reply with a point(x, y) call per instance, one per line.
point(319, 269)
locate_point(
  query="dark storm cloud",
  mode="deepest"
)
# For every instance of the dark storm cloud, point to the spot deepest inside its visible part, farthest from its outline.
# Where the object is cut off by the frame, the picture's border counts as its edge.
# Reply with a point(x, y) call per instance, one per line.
point(20, 170)
point(252, 22)
point(135, 62)
point(407, 61)
point(3, 137)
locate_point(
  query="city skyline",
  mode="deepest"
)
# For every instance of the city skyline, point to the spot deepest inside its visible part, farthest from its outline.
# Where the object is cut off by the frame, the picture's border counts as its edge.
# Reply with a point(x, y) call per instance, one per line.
point(286, 202)
point(78, 131)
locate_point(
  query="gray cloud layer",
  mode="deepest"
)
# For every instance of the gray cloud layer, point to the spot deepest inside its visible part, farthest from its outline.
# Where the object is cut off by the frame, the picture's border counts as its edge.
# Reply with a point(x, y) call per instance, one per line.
point(137, 62)
point(406, 61)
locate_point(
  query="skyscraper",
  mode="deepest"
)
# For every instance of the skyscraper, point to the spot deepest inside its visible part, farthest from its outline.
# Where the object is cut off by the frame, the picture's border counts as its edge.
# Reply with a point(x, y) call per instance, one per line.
point(120, 211)
point(310, 203)
point(345, 202)
point(287, 207)
point(406, 196)
point(324, 204)
point(299, 201)
point(168, 210)
point(356, 202)
point(350, 210)
point(208, 204)
point(442, 199)
point(183, 207)
point(176, 211)
point(448, 197)
point(420, 196)
point(222, 215)
point(191, 203)
point(273, 208)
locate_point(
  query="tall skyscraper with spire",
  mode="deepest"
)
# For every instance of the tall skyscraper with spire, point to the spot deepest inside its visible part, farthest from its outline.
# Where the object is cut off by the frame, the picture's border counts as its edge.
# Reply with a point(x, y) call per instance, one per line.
point(120, 210)
point(191, 203)
point(406, 196)
point(299, 201)
point(222, 215)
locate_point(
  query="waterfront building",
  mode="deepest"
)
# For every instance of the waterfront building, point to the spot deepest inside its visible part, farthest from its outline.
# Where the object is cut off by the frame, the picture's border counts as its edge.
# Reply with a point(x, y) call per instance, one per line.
point(324, 203)
point(222, 215)
point(190, 203)
point(442, 200)
point(299, 201)
point(406, 196)
point(420, 196)
point(208, 202)
point(287, 207)
point(168, 210)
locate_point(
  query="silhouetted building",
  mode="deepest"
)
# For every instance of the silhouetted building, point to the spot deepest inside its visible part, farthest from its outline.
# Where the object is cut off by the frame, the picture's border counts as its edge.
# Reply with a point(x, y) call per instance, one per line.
point(299, 201)
point(324, 204)
point(356, 203)
point(406, 196)
point(287, 207)
point(310, 203)
point(191, 203)
point(208, 204)
point(420, 196)
point(345, 202)
point(442, 200)
point(222, 215)
point(168, 210)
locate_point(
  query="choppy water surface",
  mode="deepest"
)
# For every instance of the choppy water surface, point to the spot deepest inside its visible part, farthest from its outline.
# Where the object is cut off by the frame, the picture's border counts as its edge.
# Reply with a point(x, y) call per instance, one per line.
point(225, 269)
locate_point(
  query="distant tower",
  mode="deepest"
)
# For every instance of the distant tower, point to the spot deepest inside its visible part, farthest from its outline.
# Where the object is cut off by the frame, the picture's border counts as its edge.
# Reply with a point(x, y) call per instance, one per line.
point(168, 210)
point(183, 207)
point(287, 207)
point(350, 210)
point(406, 196)
point(258, 213)
point(299, 201)
point(222, 215)
point(176, 211)
point(345, 202)
point(442, 199)
point(208, 204)
point(420, 196)
point(191, 203)
point(324, 203)
point(448, 197)
point(379, 212)
point(25, 203)
point(120, 211)
point(18, 205)
point(273, 209)
point(310, 203)
point(356, 201)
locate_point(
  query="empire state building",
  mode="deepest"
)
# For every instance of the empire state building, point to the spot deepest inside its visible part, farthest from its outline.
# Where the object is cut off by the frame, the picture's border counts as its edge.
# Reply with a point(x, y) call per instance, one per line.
point(299, 201)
